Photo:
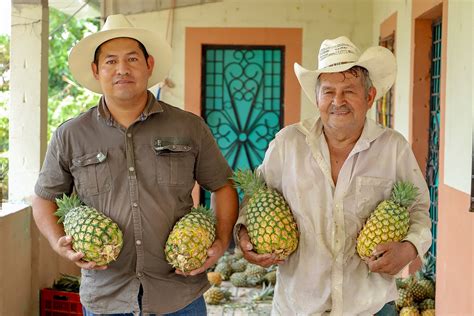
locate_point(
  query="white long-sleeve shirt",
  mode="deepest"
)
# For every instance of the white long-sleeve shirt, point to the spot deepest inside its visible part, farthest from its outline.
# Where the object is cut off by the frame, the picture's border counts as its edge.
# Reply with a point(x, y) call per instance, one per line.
point(325, 275)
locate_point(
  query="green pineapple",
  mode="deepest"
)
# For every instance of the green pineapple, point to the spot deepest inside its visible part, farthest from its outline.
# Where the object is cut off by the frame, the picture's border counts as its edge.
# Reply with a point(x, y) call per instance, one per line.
point(425, 283)
point(224, 269)
point(270, 224)
point(426, 304)
point(255, 274)
point(215, 295)
point(239, 265)
point(94, 234)
point(191, 237)
point(239, 279)
point(390, 221)
point(270, 277)
point(403, 283)
point(405, 298)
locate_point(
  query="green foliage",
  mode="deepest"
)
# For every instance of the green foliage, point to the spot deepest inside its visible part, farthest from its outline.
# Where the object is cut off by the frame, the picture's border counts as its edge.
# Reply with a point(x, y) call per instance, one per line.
point(66, 98)
point(4, 100)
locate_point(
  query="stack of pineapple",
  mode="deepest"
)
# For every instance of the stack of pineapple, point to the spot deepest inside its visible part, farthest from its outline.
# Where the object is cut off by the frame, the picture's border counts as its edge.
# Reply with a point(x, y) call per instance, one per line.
point(417, 293)
point(236, 269)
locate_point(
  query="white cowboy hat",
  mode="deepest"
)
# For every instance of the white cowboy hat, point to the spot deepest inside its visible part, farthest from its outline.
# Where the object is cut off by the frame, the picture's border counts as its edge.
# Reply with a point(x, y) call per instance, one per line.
point(340, 54)
point(82, 55)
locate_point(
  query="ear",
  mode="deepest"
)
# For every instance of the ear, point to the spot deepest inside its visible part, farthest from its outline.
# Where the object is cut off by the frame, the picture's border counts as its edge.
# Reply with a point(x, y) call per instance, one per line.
point(95, 70)
point(150, 62)
point(371, 96)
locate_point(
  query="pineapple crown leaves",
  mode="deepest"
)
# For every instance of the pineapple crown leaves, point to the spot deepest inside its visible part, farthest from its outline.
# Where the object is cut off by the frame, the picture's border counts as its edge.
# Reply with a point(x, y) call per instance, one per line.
point(65, 204)
point(404, 193)
point(266, 293)
point(205, 211)
point(249, 181)
point(428, 269)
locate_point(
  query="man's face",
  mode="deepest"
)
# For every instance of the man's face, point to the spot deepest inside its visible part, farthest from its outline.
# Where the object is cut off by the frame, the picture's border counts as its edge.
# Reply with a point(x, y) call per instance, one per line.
point(342, 100)
point(122, 69)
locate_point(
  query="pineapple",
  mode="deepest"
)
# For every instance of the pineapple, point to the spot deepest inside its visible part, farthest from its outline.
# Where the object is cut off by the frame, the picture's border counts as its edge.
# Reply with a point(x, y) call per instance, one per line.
point(215, 295)
point(409, 311)
point(94, 234)
point(224, 269)
point(428, 312)
point(425, 283)
point(390, 220)
point(270, 224)
point(255, 274)
point(239, 279)
point(427, 304)
point(270, 277)
point(215, 278)
point(239, 265)
point(405, 298)
point(191, 237)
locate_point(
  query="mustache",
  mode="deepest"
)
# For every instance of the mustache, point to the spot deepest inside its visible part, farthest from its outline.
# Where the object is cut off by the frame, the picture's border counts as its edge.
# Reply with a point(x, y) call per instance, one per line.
point(339, 108)
point(124, 77)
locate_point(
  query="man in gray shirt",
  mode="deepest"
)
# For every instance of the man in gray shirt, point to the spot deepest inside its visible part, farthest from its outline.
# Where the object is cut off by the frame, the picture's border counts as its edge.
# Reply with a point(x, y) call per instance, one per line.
point(136, 160)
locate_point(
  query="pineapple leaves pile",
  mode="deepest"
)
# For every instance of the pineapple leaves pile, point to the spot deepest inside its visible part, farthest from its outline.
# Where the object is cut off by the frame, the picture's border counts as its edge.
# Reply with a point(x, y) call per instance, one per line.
point(191, 237)
point(67, 283)
point(390, 221)
point(94, 234)
point(270, 223)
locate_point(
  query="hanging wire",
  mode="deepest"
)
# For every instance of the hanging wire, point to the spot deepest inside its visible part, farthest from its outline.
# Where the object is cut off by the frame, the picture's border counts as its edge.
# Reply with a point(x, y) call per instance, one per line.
point(60, 26)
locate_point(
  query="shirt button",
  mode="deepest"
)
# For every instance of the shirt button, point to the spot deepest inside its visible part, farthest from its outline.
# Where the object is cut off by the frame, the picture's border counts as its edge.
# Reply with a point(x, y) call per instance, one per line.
point(139, 274)
point(129, 135)
point(138, 242)
point(131, 169)
point(135, 205)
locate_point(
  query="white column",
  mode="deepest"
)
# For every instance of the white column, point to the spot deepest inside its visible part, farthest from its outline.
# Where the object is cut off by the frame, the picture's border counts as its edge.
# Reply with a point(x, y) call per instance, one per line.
point(29, 95)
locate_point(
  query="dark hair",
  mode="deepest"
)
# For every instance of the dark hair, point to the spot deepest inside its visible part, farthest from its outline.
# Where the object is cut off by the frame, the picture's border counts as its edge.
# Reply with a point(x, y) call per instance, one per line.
point(140, 45)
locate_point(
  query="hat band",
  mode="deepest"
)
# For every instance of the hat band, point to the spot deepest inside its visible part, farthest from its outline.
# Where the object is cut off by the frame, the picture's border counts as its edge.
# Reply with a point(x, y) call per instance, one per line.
point(341, 63)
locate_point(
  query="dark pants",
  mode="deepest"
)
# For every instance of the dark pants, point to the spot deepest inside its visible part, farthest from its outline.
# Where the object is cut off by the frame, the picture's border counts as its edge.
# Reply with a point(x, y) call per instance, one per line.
point(388, 309)
point(196, 308)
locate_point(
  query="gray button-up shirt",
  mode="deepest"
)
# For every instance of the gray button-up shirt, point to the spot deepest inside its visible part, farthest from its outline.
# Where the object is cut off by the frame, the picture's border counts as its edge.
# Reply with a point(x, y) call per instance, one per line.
point(142, 178)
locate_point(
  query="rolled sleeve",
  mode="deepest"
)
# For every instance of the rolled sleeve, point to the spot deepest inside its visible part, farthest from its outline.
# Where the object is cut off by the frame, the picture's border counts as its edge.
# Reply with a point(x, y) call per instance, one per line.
point(55, 178)
point(212, 170)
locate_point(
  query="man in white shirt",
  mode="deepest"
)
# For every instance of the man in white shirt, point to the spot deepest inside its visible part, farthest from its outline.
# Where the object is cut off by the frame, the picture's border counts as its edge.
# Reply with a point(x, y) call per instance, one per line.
point(333, 171)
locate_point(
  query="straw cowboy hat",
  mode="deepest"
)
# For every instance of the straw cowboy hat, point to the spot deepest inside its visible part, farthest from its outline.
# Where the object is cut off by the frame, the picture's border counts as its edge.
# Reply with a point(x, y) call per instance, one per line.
point(340, 54)
point(82, 55)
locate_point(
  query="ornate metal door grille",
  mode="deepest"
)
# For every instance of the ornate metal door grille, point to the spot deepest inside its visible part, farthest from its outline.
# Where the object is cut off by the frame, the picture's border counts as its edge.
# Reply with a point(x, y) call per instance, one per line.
point(242, 100)
point(384, 111)
point(432, 167)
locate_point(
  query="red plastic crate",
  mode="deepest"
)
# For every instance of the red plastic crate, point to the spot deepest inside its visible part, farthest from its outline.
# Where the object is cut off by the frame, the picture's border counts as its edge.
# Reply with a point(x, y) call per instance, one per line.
point(59, 303)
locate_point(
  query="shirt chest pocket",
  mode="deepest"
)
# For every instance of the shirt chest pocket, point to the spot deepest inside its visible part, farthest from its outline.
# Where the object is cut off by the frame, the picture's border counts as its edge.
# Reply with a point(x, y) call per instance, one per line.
point(370, 191)
point(92, 173)
point(174, 164)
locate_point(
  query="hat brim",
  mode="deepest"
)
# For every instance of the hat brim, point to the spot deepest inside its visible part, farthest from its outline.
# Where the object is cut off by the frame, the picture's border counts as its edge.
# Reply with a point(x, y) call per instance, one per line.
point(82, 55)
point(379, 61)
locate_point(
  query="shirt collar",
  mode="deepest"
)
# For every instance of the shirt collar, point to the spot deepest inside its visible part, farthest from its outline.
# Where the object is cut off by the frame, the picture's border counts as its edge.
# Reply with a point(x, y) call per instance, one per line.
point(312, 128)
point(153, 106)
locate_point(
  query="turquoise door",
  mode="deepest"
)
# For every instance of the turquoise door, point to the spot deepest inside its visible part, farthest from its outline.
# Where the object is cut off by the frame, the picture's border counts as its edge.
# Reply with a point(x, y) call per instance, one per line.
point(242, 101)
